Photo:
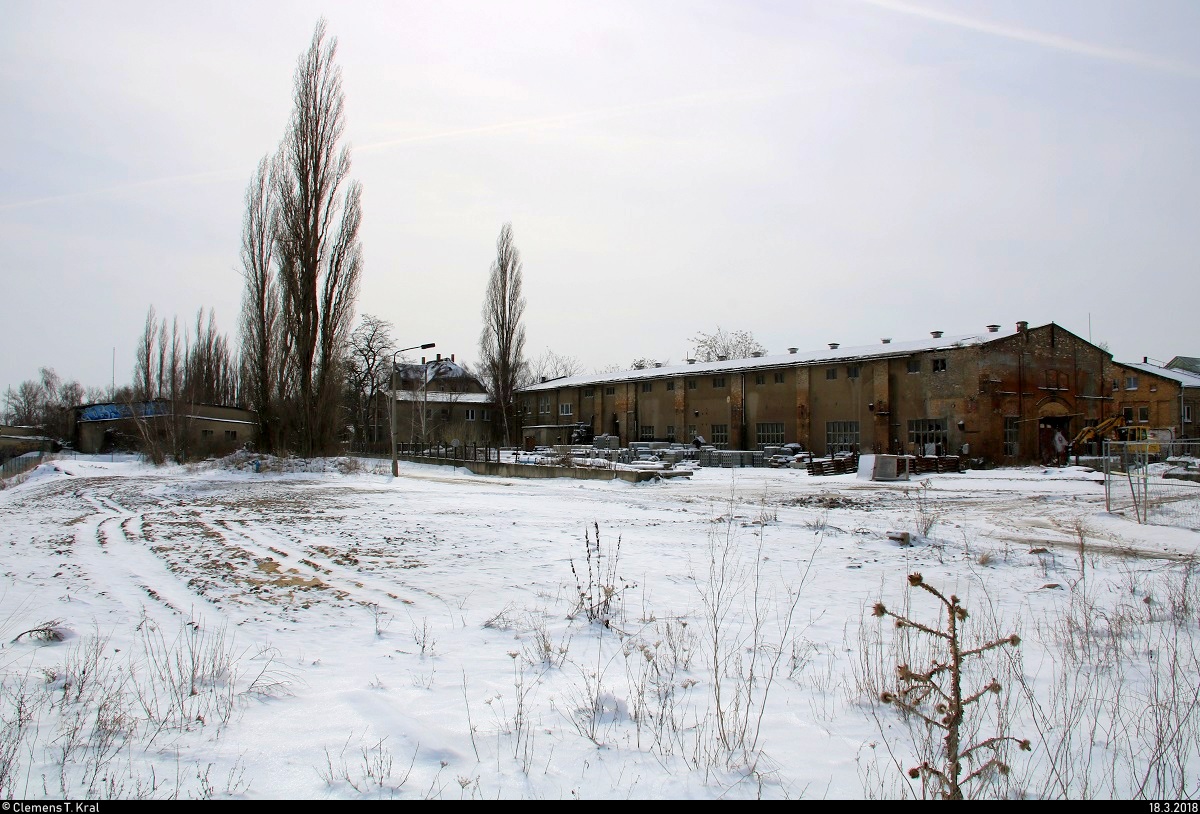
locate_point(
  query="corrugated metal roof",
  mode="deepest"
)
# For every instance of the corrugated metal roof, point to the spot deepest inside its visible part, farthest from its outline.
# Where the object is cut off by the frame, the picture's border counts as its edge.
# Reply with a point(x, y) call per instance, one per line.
point(877, 351)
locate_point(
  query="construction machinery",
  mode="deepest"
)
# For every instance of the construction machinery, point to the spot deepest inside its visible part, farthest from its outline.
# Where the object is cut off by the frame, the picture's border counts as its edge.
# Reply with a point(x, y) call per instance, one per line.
point(1096, 432)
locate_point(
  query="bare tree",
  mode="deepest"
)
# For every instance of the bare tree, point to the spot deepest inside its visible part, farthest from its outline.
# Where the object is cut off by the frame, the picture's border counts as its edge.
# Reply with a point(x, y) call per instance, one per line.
point(368, 369)
point(43, 403)
point(25, 406)
point(725, 344)
point(317, 251)
point(551, 365)
point(211, 372)
point(145, 376)
point(502, 342)
point(260, 338)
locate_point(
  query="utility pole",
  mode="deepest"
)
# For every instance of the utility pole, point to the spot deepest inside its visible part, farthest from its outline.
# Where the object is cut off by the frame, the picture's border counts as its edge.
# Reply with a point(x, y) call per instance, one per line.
point(392, 404)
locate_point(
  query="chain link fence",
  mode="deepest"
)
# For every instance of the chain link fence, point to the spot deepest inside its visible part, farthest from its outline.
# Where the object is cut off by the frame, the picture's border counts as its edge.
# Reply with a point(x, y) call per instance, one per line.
point(1158, 480)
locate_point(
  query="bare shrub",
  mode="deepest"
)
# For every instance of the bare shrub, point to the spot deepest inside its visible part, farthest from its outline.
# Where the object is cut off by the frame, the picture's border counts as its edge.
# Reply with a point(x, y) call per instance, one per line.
point(925, 512)
point(600, 595)
point(936, 697)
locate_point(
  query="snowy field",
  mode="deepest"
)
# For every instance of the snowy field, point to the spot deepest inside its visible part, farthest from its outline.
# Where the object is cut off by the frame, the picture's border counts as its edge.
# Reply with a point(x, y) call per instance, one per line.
point(212, 631)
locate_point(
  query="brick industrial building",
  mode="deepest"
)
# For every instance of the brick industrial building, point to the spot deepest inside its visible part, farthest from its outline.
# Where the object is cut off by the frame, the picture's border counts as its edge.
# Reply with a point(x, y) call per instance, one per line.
point(999, 395)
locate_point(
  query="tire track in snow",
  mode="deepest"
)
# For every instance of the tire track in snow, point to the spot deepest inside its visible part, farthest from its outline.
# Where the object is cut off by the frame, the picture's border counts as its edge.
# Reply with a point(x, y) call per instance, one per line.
point(113, 547)
point(358, 586)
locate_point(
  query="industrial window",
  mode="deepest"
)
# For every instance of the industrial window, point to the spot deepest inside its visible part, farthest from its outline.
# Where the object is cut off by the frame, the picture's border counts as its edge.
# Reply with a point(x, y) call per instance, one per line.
point(487, 415)
point(1144, 415)
point(1012, 435)
point(647, 387)
point(230, 435)
point(769, 433)
point(566, 409)
point(588, 393)
point(841, 436)
point(779, 377)
point(610, 391)
point(1131, 382)
point(718, 381)
point(1187, 414)
point(720, 436)
point(206, 433)
point(1056, 380)
point(939, 365)
point(691, 433)
point(470, 414)
point(760, 378)
point(830, 373)
point(1127, 414)
point(927, 434)
point(670, 385)
point(647, 432)
point(914, 365)
point(445, 414)
point(691, 384)
point(544, 404)
point(852, 371)
point(670, 432)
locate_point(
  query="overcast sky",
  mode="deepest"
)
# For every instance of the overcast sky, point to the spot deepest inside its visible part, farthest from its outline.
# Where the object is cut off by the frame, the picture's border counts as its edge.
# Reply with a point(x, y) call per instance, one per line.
point(812, 170)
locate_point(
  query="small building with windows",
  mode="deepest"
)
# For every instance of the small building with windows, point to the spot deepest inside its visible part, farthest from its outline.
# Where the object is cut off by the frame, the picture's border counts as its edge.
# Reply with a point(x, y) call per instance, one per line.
point(998, 395)
point(439, 401)
point(1156, 397)
point(203, 429)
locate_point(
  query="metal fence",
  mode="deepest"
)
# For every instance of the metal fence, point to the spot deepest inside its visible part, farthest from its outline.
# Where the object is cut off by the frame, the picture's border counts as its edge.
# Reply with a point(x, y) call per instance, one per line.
point(21, 464)
point(1158, 480)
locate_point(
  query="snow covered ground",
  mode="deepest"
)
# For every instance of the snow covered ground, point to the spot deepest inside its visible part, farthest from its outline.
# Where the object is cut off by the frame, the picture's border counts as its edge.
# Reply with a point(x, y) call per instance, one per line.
point(333, 632)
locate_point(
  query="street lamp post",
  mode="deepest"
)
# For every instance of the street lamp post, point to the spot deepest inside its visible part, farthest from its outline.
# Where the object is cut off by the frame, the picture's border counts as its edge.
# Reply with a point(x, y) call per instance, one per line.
point(392, 404)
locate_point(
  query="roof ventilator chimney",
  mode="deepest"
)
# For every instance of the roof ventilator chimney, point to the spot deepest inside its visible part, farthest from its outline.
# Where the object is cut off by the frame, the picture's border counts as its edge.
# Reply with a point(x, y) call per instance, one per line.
point(833, 345)
point(691, 361)
point(722, 358)
point(887, 341)
point(993, 329)
point(757, 354)
point(658, 364)
point(793, 351)
point(1022, 326)
point(936, 334)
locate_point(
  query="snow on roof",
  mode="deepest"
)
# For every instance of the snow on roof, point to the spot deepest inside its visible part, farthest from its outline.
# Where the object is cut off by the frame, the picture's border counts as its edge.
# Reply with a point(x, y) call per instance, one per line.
point(442, 397)
point(1184, 377)
point(1188, 363)
point(839, 354)
point(433, 369)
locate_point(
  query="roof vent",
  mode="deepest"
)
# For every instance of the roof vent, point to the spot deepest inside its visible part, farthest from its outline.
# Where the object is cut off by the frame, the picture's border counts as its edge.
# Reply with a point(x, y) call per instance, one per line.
point(993, 329)
point(722, 358)
point(1022, 326)
point(658, 364)
point(544, 379)
point(887, 341)
point(691, 361)
point(757, 354)
point(793, 350)
point(936, 334)
point(833, 345)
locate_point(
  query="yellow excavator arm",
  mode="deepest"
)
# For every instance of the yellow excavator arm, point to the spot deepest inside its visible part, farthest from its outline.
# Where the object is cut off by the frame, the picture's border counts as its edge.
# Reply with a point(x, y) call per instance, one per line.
point(1100, 430)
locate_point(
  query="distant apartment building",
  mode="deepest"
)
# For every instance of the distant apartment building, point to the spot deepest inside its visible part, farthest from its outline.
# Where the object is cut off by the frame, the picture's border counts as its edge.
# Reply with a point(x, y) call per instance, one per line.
point(439, 402)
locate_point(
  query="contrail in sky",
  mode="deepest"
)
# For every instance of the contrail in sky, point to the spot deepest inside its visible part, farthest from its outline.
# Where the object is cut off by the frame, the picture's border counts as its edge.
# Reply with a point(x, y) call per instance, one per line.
point(116, 188)
point(1053, 41)
point(499, 127)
